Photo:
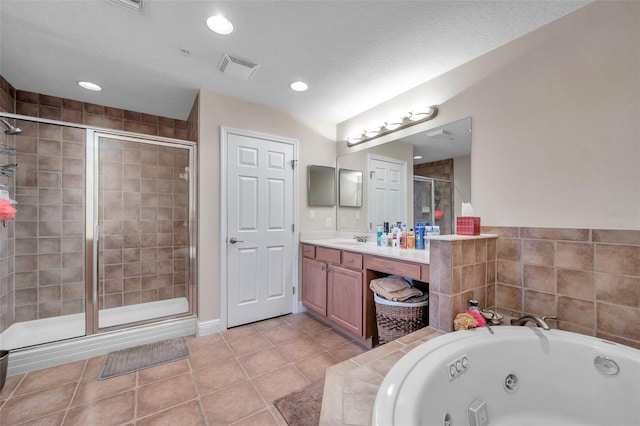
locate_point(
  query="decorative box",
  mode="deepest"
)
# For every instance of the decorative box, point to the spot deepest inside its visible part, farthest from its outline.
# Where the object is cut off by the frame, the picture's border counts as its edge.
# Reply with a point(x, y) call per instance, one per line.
point(467, 225)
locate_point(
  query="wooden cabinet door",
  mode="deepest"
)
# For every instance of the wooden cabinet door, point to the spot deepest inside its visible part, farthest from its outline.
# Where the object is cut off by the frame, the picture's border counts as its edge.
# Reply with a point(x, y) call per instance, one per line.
point(344, 304)
point(314, 285)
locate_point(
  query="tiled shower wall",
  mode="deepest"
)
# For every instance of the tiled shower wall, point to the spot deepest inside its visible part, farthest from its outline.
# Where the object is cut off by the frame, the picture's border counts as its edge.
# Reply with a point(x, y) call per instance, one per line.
point(56, 290)
point(7, 242)
point(144, 218)
point(54, 108)
point(50, 223)
point(588, 278)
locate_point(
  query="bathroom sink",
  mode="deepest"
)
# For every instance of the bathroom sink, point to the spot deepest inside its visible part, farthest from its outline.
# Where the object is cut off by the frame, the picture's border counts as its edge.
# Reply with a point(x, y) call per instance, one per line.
point(348, 243)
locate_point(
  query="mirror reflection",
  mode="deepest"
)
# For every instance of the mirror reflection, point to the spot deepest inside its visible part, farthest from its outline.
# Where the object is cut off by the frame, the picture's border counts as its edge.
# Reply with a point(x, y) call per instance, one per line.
point(423, 177)
point(349, 188)
point(321, 186)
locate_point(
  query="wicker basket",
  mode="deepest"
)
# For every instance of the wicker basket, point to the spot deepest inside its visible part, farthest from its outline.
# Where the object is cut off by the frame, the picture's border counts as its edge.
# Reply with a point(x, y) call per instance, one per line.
point(397, 319)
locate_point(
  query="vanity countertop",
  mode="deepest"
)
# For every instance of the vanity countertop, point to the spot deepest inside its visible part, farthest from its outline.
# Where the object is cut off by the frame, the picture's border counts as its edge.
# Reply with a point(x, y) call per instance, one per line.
point(370, 247)
point(419, 256)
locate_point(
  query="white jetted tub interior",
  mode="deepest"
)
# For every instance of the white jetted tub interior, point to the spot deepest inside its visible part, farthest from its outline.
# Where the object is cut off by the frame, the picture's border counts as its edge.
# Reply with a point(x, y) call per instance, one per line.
point(517, 376)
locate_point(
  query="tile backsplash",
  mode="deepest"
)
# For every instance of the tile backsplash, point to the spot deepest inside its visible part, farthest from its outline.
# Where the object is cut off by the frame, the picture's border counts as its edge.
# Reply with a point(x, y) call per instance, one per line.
point(588, 278)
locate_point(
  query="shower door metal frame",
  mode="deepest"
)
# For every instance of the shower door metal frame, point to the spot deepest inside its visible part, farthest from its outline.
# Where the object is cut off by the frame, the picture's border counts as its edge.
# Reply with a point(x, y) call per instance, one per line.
point(90, 305)
point(93, 230)
point(433, 192)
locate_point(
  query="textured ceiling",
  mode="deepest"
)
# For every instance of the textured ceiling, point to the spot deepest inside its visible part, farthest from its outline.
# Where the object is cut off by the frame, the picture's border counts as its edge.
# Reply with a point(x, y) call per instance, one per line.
point(353, 54)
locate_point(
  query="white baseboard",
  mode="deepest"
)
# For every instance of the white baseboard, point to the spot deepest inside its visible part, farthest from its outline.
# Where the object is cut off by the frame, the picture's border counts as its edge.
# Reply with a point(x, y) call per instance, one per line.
point(57, 353)
point(206, 328)
point(300, 308)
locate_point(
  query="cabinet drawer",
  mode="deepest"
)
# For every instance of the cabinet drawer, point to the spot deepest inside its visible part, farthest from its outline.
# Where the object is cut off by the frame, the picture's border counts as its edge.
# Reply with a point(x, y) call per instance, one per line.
point(394, 267)
point(309, 251)
point(328, 254)
point(351, 260)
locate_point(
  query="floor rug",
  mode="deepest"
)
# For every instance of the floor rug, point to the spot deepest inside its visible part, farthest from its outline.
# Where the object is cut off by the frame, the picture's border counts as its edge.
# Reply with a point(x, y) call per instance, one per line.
point(302, 408)
point(144, 356)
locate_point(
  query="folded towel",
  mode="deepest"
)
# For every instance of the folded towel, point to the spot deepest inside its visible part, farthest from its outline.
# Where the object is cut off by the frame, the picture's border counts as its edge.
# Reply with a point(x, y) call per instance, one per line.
point(391, 283)
point(396, 296)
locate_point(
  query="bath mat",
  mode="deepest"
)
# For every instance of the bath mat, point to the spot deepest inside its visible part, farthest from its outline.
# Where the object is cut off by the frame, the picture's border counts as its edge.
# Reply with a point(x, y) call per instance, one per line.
point(144, 356)
point(302, 408)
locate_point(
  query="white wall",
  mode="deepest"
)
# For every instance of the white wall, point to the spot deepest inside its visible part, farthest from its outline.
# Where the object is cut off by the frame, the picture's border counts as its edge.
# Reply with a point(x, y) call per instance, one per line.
point(215, 111)
point(556, 122)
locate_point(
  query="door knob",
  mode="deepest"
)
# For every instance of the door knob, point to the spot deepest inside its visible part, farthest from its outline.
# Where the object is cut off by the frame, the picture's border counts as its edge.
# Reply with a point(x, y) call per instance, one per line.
point(234, 240)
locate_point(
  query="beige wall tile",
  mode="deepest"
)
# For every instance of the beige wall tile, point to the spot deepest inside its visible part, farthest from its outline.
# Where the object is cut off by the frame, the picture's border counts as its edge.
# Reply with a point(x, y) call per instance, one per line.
point(618, 289)
point(579, 284)
point(618, 259)
point(541, 278)
point(576, 311)
point(574, 255)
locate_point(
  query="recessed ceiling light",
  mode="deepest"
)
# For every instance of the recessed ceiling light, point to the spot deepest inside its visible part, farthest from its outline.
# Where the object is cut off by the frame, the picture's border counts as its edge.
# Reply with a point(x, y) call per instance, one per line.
point(220, 25)
point(299, 86)
point(417, 157)
point(89, 86)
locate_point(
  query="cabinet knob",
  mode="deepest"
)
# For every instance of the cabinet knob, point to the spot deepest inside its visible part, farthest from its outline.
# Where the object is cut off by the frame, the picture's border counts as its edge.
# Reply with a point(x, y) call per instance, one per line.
point(350, 260)
point(391, 267)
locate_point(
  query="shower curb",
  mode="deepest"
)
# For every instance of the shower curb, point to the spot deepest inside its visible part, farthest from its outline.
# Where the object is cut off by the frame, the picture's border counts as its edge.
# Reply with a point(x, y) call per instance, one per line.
point(57, 353)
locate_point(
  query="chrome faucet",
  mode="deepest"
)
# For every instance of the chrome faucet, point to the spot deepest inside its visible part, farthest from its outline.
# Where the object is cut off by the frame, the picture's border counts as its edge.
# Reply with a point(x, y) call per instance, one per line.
point(540, 322)
point(362, 238)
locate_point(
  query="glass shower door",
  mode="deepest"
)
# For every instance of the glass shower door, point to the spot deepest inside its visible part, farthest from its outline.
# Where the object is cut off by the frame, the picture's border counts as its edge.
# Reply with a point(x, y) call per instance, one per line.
point(143, 213)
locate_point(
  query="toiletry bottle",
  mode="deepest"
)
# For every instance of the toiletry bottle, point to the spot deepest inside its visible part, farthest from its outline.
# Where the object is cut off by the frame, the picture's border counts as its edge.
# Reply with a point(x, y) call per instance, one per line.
point(410, 239)
point(379, 236)
point(385, 227)
point(384, 238)
point(403, 237)
point(427, 236)
point(473, 305)
point(419, 236)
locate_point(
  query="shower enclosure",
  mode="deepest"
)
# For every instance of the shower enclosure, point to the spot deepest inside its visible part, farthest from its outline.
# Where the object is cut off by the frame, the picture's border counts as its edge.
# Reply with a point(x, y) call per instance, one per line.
point(104, 234)
point(433, 202)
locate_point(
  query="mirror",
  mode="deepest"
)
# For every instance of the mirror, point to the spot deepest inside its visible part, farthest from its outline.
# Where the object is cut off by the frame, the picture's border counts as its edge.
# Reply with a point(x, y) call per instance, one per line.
point(350, 188)
point(441, 154)
point(322, 186)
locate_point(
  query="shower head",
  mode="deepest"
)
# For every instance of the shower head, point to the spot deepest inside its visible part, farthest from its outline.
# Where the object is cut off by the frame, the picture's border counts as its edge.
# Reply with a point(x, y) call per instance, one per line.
point(11, 130)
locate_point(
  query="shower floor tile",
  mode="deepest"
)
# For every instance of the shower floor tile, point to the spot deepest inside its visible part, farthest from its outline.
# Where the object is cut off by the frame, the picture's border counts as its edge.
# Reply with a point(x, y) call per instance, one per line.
point(230, 378)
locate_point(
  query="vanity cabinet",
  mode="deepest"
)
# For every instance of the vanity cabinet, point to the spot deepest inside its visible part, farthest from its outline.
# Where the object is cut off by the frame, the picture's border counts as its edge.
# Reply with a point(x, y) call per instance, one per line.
point(335, 286)
point(314, 287)
point(332, 286)
point(344, 298)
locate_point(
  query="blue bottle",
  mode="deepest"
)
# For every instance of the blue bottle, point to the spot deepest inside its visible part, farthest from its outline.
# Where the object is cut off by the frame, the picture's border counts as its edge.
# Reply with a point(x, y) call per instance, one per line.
point(419, 236)
point(379, 236)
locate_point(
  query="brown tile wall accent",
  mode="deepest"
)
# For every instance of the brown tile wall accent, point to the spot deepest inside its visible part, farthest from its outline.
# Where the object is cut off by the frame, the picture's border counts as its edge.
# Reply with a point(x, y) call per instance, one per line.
point(193, 133)
point(460, 270)
point(54, 108)
point(49, 253)
point(7, 240)
point(143, 216)
point(589, 278)
point(7, 96)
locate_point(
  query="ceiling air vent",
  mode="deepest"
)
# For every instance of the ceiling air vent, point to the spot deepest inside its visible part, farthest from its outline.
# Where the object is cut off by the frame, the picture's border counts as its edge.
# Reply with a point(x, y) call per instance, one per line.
point(134, 5)
point(237, 67)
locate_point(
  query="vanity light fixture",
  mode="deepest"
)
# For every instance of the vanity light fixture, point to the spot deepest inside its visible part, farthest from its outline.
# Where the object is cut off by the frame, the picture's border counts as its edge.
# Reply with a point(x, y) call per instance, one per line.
point(89, 86)
point(411, 119)
point(220, 25)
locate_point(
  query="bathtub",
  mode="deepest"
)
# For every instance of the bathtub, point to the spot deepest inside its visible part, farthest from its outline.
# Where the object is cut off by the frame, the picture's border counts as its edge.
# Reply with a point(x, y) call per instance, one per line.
point(517, 376)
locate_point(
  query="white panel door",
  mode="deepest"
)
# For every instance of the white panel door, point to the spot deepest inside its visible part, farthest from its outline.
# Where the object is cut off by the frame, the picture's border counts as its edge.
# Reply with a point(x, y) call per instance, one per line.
point(387, 191)
point(260, 236)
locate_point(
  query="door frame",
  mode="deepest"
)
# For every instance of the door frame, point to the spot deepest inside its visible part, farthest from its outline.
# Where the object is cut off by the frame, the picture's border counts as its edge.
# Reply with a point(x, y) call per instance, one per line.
point(224, 133)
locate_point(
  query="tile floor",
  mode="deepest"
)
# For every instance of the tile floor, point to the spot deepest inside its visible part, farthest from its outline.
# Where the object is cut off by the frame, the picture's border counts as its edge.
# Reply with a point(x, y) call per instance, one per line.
point(230, 378)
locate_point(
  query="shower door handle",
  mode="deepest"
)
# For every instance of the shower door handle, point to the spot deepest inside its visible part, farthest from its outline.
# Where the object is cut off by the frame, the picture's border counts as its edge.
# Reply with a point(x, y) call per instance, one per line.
point(234, 240)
